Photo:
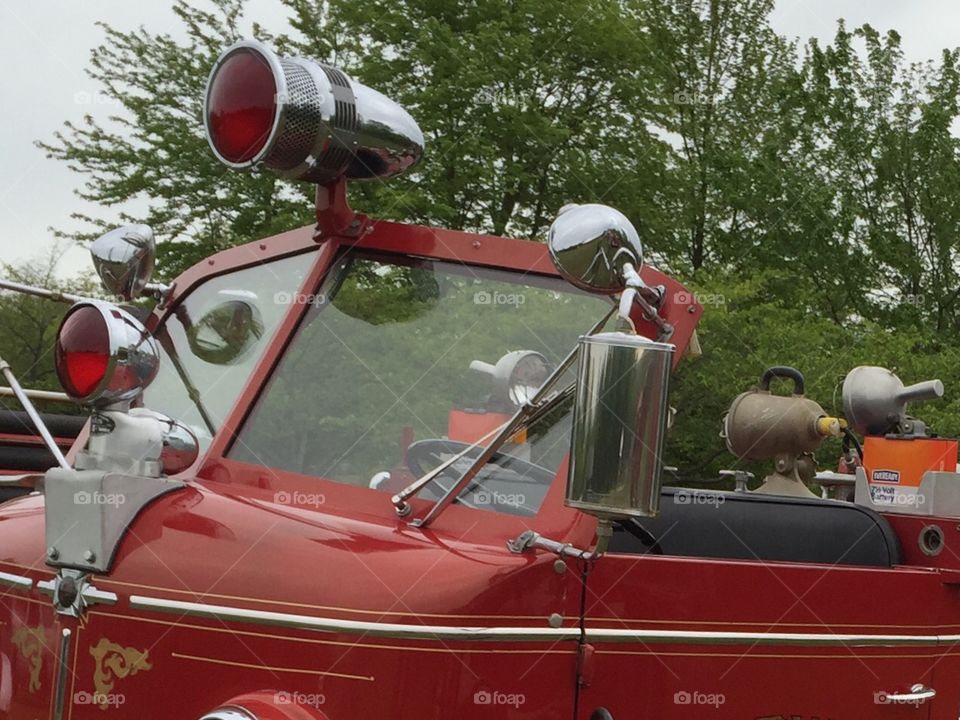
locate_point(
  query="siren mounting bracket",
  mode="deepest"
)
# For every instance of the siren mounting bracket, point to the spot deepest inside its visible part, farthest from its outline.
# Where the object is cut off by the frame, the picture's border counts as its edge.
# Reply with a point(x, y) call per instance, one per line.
point(335, 217)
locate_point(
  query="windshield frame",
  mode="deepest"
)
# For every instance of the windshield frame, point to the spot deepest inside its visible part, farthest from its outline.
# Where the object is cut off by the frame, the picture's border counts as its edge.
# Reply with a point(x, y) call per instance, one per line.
point(261, 252)
point(520, 257)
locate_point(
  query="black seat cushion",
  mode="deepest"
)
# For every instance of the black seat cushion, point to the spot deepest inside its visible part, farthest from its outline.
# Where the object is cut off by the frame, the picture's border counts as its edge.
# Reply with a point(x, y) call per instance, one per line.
point(746, 526)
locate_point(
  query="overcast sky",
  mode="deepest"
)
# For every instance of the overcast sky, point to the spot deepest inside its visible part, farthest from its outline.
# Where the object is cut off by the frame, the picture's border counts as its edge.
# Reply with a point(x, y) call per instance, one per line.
point(45, 46)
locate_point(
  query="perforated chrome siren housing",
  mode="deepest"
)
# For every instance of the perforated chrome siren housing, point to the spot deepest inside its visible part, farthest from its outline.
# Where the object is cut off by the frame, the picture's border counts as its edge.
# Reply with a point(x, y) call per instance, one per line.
point(303, 120)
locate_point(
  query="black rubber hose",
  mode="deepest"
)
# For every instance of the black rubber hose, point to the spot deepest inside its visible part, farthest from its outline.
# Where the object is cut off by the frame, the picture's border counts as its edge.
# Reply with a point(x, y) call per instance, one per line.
point(849, 437)
point(30, 458)
point(17, 422)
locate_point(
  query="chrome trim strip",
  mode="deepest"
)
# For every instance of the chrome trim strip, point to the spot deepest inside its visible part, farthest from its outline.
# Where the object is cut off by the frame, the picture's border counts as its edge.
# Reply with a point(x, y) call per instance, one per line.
point(92, 596)
point(60, 693)
point(525, 634)
point(17, 582)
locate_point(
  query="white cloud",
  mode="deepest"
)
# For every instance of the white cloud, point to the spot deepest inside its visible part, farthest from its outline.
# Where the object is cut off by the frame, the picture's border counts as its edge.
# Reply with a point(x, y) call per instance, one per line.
point(926, 26)
point(44, 48)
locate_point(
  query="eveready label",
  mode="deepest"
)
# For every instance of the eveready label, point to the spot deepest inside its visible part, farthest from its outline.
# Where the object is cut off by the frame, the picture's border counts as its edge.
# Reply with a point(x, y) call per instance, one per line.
point(886, 476)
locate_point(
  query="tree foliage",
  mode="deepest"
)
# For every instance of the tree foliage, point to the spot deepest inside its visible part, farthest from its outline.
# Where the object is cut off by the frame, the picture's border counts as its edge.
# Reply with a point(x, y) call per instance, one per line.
point(811, 191)
point(28, 325)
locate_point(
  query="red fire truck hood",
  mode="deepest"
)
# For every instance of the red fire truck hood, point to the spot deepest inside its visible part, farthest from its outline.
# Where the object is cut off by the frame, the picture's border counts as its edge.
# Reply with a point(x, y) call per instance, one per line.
point(196, 545)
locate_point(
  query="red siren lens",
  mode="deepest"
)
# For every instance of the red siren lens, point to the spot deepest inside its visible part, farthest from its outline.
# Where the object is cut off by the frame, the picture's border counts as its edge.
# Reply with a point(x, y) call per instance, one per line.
point(241, 106)
point(83, 352)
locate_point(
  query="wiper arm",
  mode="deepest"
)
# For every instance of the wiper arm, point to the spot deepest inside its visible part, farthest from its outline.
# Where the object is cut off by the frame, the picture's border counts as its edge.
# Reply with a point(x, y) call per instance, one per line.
point(400, 499)
point(541, 402)
point(166, 342)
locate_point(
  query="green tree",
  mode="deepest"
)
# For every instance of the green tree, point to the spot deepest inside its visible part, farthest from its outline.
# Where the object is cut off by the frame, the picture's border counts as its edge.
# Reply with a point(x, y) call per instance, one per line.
point(154, 149)
point(28, 324)
point(525, 107)
point(884, 129)
point(724, 89)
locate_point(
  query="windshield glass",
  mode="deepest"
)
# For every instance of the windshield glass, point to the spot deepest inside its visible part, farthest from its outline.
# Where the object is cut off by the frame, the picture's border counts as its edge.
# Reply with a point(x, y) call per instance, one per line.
point(213, 339)
point(401, 363)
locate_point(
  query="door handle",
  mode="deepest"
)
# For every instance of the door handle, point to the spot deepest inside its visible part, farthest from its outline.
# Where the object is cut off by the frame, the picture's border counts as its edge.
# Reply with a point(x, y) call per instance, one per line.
point(918, 694)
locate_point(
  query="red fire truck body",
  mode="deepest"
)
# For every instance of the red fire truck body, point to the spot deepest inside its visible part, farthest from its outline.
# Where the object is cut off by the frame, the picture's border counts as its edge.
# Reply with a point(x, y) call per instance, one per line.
point(252, 591)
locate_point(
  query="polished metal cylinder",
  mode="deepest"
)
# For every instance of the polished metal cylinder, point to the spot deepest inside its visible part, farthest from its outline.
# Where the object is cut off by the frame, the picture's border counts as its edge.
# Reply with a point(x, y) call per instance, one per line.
point(619, 425)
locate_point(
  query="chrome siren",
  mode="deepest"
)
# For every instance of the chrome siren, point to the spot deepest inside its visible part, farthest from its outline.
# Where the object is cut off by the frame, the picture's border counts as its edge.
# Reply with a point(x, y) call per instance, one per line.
point(304, 120)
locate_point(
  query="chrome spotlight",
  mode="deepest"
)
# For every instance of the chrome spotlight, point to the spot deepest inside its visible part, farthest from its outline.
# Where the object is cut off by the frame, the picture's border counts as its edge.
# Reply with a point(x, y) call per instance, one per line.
point(104, 356)
point(124, 259)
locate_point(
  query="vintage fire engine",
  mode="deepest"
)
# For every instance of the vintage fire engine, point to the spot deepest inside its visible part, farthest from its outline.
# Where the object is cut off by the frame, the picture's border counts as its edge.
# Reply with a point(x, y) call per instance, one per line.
point(374, 470)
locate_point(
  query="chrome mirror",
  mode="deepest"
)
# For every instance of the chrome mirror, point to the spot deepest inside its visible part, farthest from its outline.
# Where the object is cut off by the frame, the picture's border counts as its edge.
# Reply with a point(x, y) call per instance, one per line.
point(226, 332)
point(595, 247)
point(124, 260)
point(619, 423)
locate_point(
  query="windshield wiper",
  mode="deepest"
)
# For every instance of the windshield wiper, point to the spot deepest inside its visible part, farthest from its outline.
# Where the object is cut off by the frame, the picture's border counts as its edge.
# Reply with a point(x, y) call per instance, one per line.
point(542, 402)
point(166, 342)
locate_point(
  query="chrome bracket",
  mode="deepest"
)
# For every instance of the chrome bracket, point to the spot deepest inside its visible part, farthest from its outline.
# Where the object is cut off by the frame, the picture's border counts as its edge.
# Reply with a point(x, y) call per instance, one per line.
point(73, 593)
point(88, 513)
point(648, 298)
point(530, 540)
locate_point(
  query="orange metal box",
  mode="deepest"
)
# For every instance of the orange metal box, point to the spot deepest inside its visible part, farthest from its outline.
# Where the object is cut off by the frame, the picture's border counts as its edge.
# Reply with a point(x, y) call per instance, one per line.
point(903, 462)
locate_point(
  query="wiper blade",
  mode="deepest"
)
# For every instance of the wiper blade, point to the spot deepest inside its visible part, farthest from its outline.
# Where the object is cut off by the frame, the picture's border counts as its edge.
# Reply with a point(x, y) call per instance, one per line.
point(542, 402)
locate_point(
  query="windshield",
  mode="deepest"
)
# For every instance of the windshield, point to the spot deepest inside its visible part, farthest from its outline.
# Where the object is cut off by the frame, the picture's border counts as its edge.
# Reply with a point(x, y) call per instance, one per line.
point(211, 342)
point(400, 364)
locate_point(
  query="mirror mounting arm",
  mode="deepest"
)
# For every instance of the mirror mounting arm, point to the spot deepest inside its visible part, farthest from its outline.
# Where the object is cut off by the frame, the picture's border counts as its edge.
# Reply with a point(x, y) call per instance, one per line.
point(159, 291)
point(649, 299)
point(54, 295)
point(532, 540)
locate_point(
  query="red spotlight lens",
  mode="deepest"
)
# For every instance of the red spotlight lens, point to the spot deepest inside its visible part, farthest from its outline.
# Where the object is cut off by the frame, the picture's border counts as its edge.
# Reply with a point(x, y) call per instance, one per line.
point(83, 352)
point(241, 105)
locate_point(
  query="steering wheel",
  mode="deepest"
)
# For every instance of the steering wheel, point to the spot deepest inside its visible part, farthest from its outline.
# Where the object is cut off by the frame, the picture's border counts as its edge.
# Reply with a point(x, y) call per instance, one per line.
point(427, 454)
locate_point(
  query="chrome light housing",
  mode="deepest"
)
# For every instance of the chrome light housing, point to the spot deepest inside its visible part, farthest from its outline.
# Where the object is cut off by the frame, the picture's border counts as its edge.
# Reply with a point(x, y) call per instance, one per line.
point(180, 447)
point(104, 356)
point(229, 714)
point(303, 120)
point(124, 260)
point(277, 705)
